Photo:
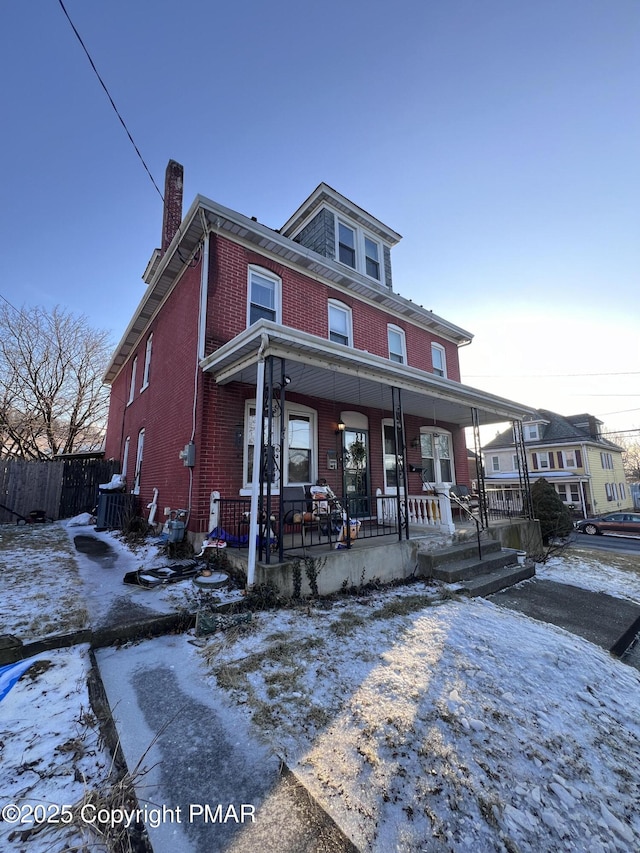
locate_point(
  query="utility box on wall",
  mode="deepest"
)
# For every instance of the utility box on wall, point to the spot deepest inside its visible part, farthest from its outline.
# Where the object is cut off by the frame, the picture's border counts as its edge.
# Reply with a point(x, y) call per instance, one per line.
point(188, 455)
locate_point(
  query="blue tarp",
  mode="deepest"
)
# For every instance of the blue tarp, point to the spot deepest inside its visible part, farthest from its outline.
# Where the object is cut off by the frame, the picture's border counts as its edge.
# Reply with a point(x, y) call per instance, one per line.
point(11, 673)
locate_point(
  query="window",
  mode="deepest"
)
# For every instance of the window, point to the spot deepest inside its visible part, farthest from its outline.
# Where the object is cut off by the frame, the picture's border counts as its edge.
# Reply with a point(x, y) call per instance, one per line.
point(132, 386)
point(397, 345)
point(372, 258)
point(531, 432)
point(139, 452)
point(570, 459)
point(359, 250)
point(437, 461)
point(543, 460)
point(299, 445)
point(147, 362)
point(495, 463)
point(125, 455)
point(516, 462)
point(298, 448)
point(346, 245)
point(438, 360)
point(606, 460)
point(393, 465)
point(339, 323)
point(264, 296)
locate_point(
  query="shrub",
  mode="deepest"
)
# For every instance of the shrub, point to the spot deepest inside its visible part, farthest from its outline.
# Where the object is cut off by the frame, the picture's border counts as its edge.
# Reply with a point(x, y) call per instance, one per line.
point(551, 512)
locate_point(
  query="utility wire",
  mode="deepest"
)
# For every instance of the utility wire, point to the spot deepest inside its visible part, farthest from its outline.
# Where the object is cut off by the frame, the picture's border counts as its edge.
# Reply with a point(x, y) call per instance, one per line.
point(102, 83)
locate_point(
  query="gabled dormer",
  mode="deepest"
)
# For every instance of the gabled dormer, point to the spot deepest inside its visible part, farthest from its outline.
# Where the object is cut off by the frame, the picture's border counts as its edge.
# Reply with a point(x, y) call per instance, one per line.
point(336, 228)
point(533, 429)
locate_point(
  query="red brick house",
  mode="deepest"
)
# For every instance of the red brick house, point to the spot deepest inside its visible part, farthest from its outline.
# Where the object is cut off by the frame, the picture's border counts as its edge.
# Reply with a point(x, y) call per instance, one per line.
point(306, 318)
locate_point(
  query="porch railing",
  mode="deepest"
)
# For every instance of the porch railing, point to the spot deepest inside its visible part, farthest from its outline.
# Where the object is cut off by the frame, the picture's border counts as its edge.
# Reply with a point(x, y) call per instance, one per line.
point(339, 523)
point(424, 510)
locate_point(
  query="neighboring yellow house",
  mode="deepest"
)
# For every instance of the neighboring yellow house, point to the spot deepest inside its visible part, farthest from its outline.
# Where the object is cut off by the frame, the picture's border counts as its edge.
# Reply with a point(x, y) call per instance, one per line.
point(571, 453)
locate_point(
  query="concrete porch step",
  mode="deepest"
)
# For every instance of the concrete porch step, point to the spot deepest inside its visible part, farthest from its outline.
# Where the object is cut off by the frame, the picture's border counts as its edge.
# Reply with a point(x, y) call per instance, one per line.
point(498, 579)
point(473, 567)
point(429, 561)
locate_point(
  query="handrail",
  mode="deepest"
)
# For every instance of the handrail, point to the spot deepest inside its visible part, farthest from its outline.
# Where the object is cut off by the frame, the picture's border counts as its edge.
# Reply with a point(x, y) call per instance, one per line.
point(478, 522)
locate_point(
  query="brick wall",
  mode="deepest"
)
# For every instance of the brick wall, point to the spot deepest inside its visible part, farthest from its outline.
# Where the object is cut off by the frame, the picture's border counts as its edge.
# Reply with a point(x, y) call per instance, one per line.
point(164, 408)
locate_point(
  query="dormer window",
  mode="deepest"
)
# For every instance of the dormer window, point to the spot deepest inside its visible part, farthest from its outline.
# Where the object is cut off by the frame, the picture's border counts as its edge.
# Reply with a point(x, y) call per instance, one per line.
point(346, 245)
point(531, 432)
point(372, 258)
point(359, 250)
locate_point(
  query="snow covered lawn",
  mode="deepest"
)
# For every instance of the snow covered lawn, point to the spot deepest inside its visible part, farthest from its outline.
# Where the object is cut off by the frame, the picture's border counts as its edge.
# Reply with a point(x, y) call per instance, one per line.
point(51, 755)
point(452, 726)
point(41, 588)
point(421, 723)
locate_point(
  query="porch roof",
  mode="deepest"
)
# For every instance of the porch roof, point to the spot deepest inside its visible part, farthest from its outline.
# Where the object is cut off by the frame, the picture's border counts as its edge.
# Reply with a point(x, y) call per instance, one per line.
point(321, 368)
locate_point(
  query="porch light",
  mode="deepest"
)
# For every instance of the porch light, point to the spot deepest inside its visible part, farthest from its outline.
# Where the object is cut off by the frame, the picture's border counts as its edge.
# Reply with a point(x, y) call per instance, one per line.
point(416, 442)
point(341, 426)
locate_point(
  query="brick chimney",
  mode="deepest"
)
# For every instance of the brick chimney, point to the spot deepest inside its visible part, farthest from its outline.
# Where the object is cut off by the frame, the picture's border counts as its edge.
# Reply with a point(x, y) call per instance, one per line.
point(172, 214)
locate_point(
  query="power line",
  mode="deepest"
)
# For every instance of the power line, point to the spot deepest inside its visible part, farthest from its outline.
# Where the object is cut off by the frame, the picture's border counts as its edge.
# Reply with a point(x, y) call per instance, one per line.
point(102, 83)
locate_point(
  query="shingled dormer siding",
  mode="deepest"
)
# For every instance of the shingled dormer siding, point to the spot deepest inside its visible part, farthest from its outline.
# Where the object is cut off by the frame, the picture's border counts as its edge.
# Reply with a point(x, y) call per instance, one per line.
point(319, 235)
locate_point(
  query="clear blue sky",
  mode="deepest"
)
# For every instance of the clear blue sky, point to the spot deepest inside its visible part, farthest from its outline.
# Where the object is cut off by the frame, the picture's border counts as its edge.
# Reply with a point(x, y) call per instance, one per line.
point(500, 138)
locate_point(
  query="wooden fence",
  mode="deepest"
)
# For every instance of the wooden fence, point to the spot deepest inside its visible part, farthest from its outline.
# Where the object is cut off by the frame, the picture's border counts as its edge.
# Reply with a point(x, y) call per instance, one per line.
point(61, 488)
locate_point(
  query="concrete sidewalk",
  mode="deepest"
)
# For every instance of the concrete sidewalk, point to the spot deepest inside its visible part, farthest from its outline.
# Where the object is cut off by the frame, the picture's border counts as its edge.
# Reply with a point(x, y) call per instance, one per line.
point(216, 787)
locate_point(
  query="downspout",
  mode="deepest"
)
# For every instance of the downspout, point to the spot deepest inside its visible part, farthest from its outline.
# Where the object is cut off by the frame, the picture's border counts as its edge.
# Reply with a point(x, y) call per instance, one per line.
point(202, 327)
point(255, 477)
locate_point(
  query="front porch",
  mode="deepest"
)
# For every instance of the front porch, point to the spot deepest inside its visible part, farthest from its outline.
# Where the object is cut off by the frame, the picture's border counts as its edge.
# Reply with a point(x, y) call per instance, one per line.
point(386, 438)
point(383, 558)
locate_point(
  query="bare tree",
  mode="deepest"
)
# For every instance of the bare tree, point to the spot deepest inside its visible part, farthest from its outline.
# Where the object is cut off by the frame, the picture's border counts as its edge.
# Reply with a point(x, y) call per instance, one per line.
point(630, 454)
point(52, 399)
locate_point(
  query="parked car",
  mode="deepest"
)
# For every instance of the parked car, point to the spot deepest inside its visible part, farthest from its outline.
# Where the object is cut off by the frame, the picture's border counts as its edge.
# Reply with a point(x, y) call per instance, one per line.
point(614, 522)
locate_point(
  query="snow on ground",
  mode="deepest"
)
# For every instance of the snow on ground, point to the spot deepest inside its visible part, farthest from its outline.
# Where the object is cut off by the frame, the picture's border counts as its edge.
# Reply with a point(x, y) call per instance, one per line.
point(457, 727)
point(616, 573)
point(420, 723)
point(41, 589)
point(51, 754)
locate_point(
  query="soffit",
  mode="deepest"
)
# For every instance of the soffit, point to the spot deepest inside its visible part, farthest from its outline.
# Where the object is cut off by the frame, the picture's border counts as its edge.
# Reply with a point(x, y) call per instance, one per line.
point(320, 368)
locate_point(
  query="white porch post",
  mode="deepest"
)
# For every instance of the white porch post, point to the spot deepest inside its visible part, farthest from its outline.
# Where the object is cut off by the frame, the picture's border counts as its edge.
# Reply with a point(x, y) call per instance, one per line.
point(254, 521)
point(444, 501)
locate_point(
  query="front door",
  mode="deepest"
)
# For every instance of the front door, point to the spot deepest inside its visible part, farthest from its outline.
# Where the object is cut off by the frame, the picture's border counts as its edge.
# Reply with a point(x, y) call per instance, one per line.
point(356, 471)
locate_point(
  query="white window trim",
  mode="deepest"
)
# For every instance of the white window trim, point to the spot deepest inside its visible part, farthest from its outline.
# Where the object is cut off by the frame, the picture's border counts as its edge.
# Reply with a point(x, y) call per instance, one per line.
point(138, 469)
point(147, 363)
point(436, 458)
point(495, 463)
point(360, 250)
point(132, 385)
point(403, 343)
point(543, 454)
point(340, 306)
point(380, 262)
point(388, 490)
point(565, 458)
point(531, 432)
point(277, 294)
point(125, 455)
point(439, 348)
point(290, 408)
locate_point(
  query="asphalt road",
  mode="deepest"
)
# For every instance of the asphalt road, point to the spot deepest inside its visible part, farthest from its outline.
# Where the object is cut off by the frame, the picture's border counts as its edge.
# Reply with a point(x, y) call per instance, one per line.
point(626, 544)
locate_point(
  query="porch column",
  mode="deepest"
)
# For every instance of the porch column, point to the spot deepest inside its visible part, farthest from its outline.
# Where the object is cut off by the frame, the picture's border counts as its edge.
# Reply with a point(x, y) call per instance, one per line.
point(402, 487)
point(482, 489)
point(255, 480)
point(523, 469)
